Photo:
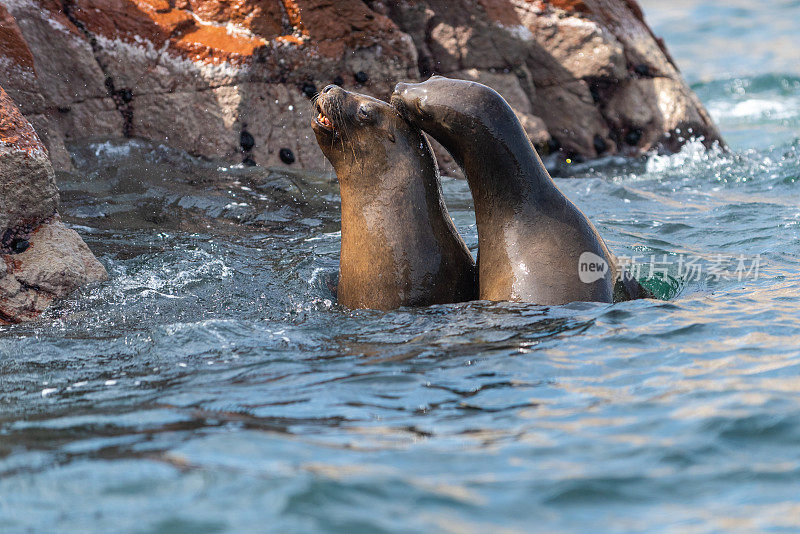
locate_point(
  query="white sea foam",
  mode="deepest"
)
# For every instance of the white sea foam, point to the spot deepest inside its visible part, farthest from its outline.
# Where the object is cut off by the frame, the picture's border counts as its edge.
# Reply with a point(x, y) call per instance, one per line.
point(112, 150)
point(315, 275)
point(692, 152)
point(755, 109)
point(169, 281)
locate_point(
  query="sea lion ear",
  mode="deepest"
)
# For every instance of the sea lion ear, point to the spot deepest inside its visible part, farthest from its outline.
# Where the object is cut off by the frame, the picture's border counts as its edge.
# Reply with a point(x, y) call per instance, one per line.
point(391, 137)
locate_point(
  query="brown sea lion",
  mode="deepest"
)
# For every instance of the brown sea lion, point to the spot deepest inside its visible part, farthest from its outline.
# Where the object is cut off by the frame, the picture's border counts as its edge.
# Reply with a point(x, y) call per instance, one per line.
point(534, 245)
point(399, 244)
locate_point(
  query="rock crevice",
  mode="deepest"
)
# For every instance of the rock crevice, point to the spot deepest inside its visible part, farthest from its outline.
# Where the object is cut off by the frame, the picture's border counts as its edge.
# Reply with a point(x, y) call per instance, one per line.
point(121, 97)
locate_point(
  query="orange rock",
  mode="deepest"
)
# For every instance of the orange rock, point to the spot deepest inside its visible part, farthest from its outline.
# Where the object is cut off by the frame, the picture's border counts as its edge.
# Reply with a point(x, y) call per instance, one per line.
point(214, 44)
point(124, 20)
point(15, 130)
point(573, 6)
point(348, 25)
point(501, 11)
point(293, 12)
point(12, 43)
point(160, 6)
point(261, 18)
point(211, 31)
point(216, 31)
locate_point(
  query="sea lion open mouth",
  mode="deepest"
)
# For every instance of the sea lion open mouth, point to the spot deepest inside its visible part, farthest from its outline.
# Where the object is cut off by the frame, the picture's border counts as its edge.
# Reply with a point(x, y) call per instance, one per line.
point(322, 119)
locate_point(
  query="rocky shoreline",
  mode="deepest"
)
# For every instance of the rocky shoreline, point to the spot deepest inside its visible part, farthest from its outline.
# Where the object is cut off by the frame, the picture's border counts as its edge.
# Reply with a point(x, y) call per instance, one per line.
point(43, 259)
point(231, 80)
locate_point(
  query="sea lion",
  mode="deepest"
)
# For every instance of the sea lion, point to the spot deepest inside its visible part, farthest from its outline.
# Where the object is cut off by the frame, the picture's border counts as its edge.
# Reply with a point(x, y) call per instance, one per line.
point(399, 244)
point(534, 245)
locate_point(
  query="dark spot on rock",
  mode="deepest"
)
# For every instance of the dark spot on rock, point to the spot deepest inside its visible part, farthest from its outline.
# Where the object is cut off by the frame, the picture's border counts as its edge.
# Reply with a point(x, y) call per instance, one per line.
point(8, 236)
point(246, 141)
point(338, 81)
point(594, 90)
point(601, 88)
point(362, 77)
point(126, 95)
point(11, 243)
point(553, 145)
point(20, 245)
point(64, 109)
point(634, 136)
point(287, 156)
point(109, 83)
point(310, 90)
point(426, 66)
point(600, 144)
point(249, 162)
point(643, 70)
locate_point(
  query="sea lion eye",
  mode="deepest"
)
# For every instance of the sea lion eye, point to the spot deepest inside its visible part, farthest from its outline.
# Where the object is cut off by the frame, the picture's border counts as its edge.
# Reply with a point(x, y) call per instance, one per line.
point(364, 112)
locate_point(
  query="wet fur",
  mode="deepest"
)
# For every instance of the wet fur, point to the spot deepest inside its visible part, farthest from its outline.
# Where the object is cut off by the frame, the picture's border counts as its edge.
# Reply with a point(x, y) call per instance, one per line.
point(530, 235)
point(399, 245)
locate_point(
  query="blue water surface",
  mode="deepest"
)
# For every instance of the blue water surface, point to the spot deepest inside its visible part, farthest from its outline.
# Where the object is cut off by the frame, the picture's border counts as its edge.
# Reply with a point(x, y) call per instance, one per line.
point(213, 385)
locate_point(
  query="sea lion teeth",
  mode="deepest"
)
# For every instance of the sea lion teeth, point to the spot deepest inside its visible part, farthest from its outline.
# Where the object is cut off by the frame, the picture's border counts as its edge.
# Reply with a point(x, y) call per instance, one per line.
point(323, 120)
point(399, 246)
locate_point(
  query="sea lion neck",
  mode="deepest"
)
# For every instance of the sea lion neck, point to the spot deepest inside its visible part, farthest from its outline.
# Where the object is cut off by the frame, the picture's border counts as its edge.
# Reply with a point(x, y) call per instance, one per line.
point(531, 238)
point(405, 167)
point(498, 162)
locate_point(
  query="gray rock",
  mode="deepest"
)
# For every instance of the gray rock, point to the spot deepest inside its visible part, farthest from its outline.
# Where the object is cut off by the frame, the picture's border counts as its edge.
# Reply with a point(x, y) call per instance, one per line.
point(41, 259)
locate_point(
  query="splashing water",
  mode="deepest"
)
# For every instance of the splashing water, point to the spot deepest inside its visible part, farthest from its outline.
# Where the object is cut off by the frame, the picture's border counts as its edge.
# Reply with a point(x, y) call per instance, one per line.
point(214, 386)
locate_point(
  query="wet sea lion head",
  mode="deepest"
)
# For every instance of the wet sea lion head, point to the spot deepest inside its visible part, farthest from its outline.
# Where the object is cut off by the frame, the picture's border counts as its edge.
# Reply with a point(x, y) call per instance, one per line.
point(429, 106)
point(476, 126)
point(362, 136)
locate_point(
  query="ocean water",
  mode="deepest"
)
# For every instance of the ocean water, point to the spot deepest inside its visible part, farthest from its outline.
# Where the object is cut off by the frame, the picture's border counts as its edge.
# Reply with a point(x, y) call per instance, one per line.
point(213, 385)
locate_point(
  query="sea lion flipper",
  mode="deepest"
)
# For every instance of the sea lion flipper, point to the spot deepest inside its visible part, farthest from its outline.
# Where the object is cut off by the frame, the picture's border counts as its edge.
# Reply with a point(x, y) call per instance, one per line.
point(629, 288)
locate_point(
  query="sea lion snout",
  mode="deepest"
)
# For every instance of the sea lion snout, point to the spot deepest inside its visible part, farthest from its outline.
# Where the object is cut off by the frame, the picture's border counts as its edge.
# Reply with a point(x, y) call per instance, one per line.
point(406, 99)
point(400, 88)
point(398, 97)
point(332, 91)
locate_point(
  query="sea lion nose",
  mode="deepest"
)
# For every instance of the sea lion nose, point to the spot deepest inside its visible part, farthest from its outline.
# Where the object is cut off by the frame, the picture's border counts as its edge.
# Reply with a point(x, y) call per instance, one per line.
point(329, 88)
point(400, 87)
